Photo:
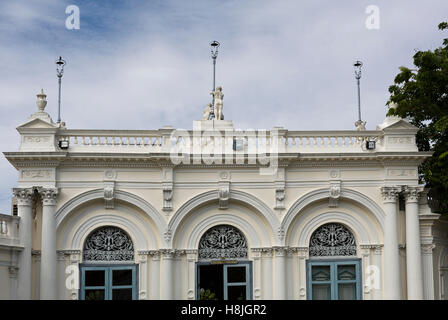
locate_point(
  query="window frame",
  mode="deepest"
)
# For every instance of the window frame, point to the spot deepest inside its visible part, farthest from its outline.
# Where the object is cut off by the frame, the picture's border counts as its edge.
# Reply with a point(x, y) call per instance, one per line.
point(334, 282)
point(108, 282)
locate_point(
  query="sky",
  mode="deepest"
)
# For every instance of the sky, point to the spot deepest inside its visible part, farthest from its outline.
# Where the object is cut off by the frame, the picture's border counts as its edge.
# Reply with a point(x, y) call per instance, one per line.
point(135, 64)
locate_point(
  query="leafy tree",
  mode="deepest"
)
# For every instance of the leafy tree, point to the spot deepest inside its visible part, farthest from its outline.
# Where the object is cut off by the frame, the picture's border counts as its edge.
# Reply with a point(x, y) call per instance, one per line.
point(422, 95)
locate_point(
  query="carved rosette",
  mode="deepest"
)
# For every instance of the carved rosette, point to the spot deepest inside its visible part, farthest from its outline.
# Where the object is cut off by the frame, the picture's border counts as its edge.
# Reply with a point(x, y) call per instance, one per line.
point(390, 194)
point(412, 194)
point(49, 196)
point(24, 196)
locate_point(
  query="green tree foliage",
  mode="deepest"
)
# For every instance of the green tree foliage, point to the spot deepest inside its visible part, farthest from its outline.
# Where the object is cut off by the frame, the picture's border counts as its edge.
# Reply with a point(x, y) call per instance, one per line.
point(422, 95)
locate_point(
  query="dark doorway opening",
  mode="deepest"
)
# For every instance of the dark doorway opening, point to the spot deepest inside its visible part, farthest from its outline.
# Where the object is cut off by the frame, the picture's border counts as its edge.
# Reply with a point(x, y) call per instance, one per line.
point(228, 281)
point(211, 282)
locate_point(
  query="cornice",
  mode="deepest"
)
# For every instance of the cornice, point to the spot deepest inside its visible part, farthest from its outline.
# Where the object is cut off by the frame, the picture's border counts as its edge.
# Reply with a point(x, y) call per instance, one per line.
point(151, 160)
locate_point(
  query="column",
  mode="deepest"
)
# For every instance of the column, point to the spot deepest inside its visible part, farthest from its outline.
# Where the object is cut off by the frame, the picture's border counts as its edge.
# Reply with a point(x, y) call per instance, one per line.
point(377, 272)
point(413, 247)
point(279, 273)
point(266, 259)
point(303, 255)
point(48, 271)
point(428, 271)
point(256, 254)
point(191, 280)
point(166, 270)
point(143, 268)
point(392, 287)
point(72, 282)
point(154, 271)
point(24, 205)
point(366, 271)
point(62, 269)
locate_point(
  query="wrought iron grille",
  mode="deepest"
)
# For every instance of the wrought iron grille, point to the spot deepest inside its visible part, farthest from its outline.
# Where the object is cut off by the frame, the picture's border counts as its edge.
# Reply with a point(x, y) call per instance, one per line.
point(108, 244)
point(332, 239)
point(222, 242)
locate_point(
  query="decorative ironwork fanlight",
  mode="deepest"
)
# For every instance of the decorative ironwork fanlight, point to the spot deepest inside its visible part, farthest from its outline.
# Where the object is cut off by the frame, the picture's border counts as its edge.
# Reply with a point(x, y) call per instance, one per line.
point(222, 242)
point(108, 244)
point(332, 239)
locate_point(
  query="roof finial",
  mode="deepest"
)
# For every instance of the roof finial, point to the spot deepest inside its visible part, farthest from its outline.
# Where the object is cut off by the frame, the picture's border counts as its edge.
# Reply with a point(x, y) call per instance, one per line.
point(41, 100)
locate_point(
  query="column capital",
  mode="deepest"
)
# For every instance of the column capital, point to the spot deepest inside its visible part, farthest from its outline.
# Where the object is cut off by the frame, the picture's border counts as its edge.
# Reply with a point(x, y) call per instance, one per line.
point(412, 193)
point(280, 251)
point(24, 196)
point(48, 196)
point(390, 194)
point(427, 248)
point(13, 271)
point(167, 254)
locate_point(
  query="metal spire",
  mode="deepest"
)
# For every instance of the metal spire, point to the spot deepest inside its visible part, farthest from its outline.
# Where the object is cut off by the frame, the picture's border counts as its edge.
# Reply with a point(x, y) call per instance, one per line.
point(60, 63)
point(214, 53)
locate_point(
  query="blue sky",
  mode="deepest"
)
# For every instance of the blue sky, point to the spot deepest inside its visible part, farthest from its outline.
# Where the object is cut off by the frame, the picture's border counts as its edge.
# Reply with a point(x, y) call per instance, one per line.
point(144, 64)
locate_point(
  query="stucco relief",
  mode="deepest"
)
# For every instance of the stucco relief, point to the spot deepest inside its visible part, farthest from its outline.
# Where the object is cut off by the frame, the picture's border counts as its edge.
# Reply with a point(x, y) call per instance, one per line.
point(37, 139)
point(400, 140)
point(402, 173)
point(36, 174)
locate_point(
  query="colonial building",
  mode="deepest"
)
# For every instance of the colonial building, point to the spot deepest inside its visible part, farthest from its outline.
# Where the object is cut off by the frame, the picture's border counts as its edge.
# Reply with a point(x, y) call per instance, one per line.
point(220, 213)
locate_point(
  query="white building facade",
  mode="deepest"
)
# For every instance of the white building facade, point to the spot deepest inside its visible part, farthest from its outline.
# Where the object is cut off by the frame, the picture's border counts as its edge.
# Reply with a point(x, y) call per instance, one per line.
point(219, 213)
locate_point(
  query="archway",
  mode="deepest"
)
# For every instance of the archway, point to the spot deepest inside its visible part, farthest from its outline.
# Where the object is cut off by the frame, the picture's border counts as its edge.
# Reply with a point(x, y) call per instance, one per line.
point(334, 271)
point(108, 271)
point(223, 269)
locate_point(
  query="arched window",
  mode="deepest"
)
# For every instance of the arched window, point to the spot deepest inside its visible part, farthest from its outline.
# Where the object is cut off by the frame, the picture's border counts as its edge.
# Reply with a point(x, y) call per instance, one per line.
point(221, 242)
point(108, 244)
point(333, 278)
point(332, 239)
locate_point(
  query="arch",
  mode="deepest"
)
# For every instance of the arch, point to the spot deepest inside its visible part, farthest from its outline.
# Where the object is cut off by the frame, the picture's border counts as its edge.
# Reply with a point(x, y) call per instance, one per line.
point(321, 194)
point(247, 229)
point(80, 235)
point(212, 196)
point(96, 194)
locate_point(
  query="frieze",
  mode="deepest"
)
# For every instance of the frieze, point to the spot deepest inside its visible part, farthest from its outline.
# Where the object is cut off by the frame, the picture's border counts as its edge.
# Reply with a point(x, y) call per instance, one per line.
point(30, 174)
point(36, 139)
point(402, 173)
point(400, 140)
